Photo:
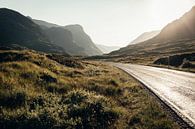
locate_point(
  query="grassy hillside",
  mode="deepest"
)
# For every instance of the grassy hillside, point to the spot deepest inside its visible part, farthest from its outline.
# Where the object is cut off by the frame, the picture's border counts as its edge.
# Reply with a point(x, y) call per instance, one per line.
point(52, 92)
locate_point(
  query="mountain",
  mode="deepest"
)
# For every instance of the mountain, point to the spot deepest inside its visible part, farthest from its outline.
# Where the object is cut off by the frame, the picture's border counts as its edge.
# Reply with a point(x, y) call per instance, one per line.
point(107, 49)
point(83, 40)
point(145, 36)
point(18, 30)
point(63, 38)
point(176, 37)
point(44, 24)
point(181, 29)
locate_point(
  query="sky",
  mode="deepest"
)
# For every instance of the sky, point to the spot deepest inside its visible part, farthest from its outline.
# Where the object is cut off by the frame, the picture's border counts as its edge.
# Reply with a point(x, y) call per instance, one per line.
point(108, 22)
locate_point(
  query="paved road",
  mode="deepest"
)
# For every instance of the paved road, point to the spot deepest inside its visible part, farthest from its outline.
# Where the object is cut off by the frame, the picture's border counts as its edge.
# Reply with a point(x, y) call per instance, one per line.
point(175, 88)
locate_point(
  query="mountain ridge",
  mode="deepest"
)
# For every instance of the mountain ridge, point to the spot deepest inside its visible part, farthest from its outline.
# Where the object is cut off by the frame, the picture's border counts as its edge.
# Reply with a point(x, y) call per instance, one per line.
point(145, 36)
point(176, 37)
point(80, 38)
point(16, 29)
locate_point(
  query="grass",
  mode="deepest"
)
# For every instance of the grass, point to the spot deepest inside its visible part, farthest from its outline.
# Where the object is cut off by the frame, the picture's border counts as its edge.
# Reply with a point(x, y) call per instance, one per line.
point(41, 91)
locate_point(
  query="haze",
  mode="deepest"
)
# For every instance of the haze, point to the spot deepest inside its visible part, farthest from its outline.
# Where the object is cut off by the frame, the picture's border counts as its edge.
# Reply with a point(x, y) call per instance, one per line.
point(108, 22)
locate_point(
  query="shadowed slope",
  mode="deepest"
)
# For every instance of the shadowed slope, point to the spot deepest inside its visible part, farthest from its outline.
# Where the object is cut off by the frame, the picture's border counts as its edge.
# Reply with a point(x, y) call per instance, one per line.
point(18, 29)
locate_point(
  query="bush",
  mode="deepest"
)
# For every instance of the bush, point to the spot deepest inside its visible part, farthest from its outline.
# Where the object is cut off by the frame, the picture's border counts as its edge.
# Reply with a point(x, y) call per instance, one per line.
point(113, 82)
point(187, 64)
point(106, 90)
point(48, 78)
point(29, 75)
point(113, 91)
point(55, 88)
point(13, 56)
point(35, 102)
point(65, 61)
point(94, 111)
point(12, 100)
point(24, 121)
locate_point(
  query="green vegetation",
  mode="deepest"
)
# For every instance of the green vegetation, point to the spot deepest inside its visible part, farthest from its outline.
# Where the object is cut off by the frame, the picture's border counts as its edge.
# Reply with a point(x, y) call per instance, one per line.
point(42, 91)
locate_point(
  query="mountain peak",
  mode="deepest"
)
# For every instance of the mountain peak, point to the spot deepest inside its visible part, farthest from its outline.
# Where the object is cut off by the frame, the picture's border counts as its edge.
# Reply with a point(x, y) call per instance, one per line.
point(5, 9)
point(8, 11)
point(75, 27)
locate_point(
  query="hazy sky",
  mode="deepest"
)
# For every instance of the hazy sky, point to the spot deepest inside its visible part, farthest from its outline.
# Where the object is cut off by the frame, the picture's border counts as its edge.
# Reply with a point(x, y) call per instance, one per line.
point(108, 22)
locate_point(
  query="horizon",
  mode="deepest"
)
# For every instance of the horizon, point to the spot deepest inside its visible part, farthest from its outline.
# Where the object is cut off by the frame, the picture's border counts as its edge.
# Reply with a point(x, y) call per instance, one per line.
point(121, 24)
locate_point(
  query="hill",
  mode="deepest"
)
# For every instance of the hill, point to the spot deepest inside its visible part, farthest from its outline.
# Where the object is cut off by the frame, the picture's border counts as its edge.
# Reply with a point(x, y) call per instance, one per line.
point(176, 37)
point(145, 36)
point(107, 49)
point(18, 30)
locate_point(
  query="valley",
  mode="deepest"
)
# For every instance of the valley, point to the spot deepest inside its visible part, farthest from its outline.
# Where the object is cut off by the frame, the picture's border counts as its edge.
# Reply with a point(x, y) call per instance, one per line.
point(57, 77)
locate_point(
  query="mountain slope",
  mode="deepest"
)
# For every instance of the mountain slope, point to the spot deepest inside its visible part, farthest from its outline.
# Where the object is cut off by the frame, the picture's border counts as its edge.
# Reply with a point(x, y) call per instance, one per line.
point(17, 29)
point(107, 49)
point(145, 36)
point(64, 39)
point(176, 37)
point(183, 28)
point(83, 40)
point(44, 23)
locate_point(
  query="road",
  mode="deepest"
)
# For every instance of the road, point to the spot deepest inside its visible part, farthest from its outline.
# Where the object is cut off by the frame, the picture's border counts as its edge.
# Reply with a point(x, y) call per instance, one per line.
point(175, 88)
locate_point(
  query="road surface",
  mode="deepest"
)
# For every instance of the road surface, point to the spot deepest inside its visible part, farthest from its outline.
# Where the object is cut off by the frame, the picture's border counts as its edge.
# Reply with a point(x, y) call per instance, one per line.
point(175, 88)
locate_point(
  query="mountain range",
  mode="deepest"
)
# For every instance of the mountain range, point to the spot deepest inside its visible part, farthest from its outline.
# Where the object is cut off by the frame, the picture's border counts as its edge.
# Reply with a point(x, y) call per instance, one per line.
point(17, 30)
point(21, 31)
point(176, 37)
point(81, 43)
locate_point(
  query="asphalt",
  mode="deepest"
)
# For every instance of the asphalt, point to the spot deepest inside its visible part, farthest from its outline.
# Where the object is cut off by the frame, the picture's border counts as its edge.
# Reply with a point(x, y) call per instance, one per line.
point(175, 88)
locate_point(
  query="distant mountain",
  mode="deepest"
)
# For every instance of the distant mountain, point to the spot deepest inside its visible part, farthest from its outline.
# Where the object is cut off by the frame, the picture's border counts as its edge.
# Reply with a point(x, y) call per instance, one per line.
point(81, 44)
point(18, 30)
point(63, 38)
point(145, 36)
point(176, 37)
point(107, 49)
point(83, 40)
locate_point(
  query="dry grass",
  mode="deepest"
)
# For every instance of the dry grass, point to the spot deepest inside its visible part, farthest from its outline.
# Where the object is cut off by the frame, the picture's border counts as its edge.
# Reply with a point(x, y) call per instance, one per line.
point(38, 92)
